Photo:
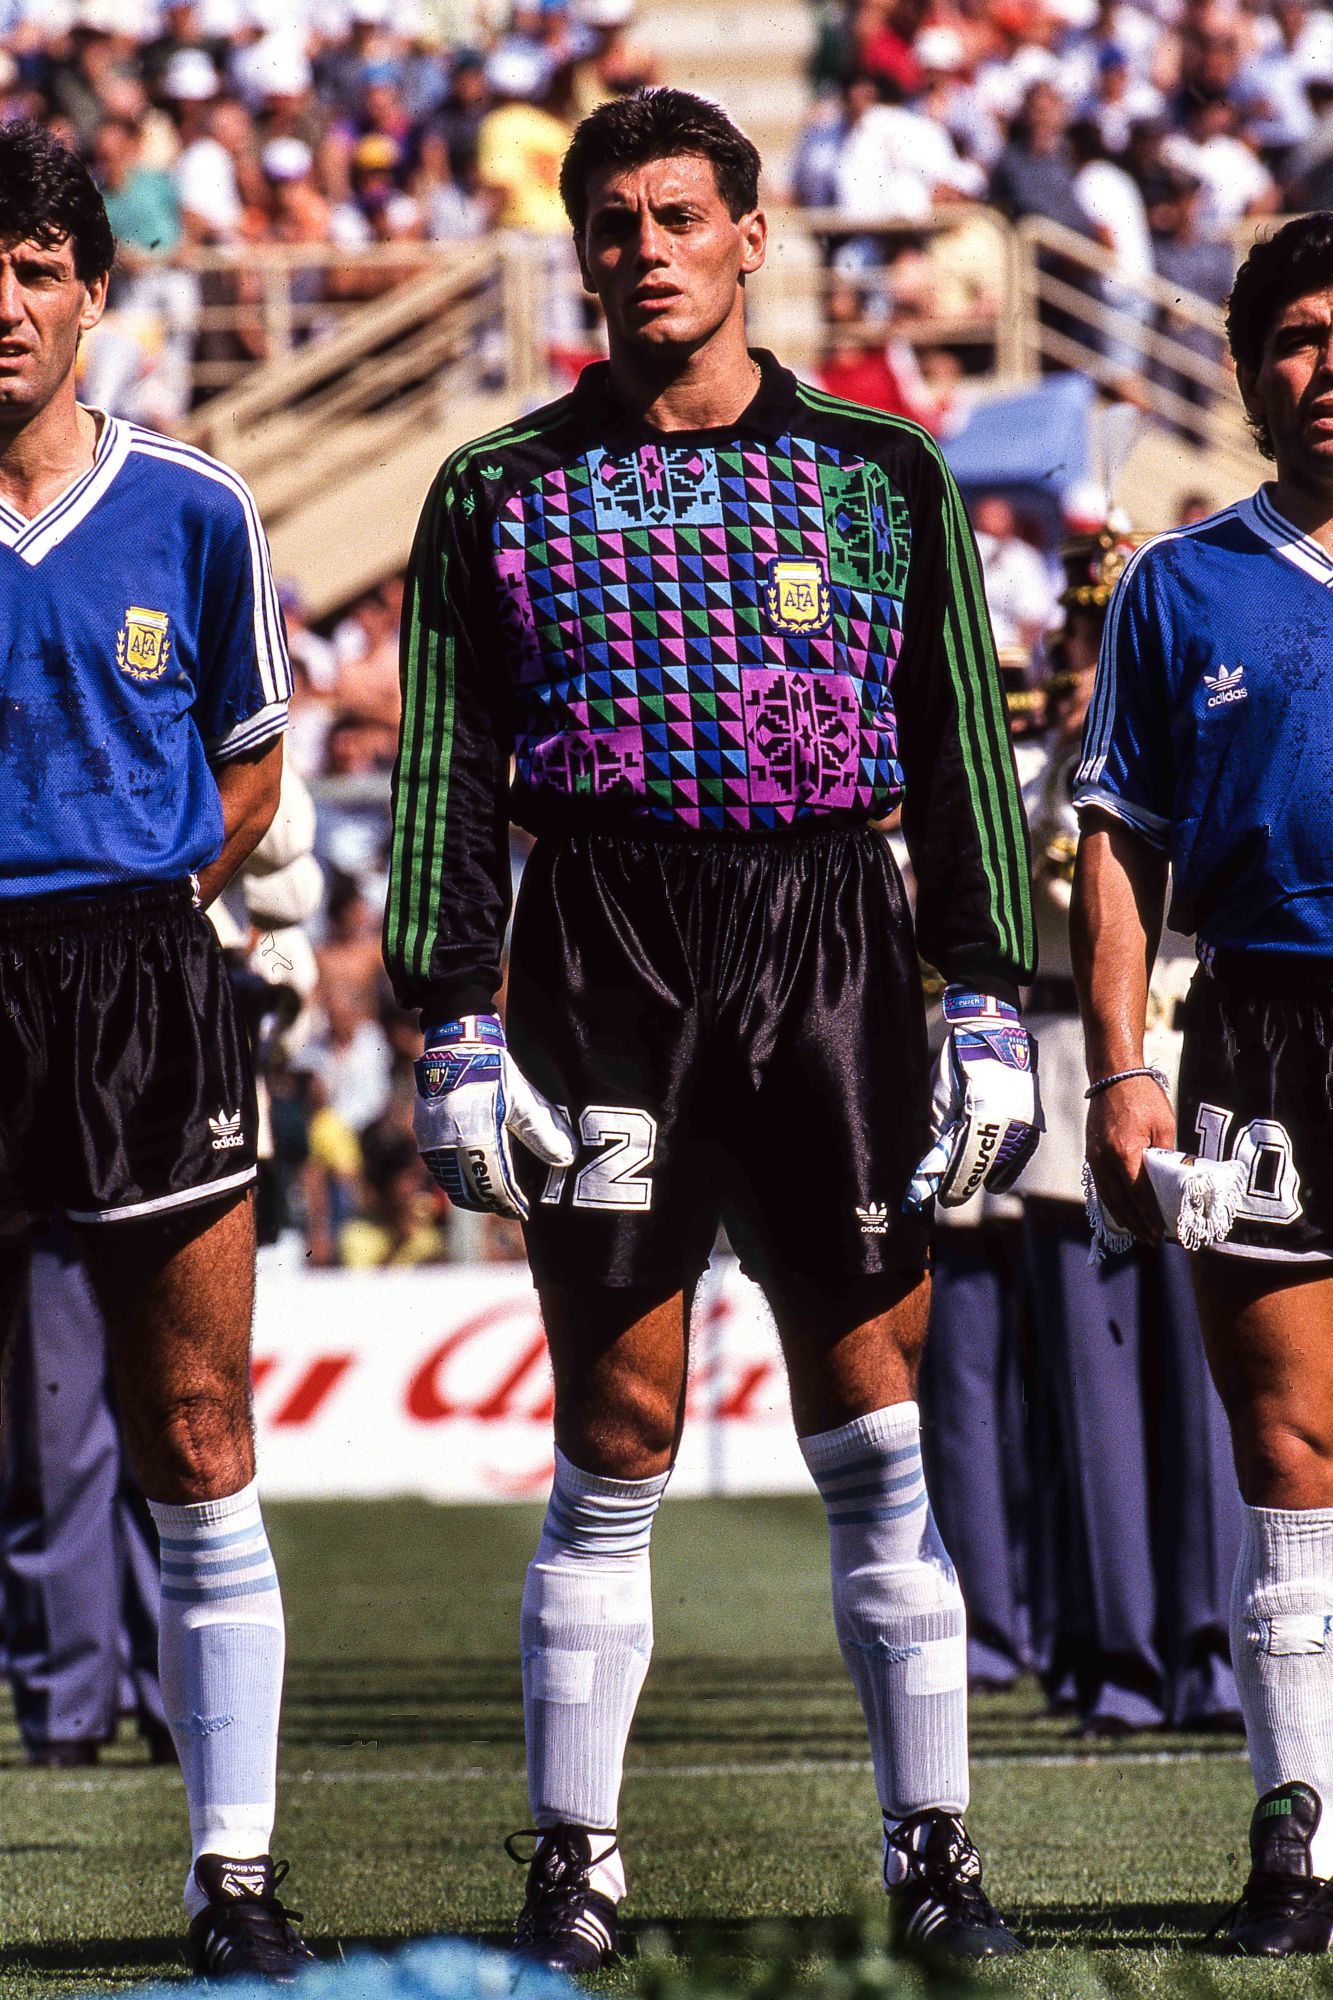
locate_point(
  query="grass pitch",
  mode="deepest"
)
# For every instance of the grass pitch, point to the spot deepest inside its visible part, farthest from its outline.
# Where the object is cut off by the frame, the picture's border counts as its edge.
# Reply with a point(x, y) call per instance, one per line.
point(749, 1814)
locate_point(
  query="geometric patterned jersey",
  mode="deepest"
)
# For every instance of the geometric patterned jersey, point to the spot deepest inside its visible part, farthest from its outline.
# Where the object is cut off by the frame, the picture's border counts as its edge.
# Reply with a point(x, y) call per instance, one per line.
point(723, 632)
point(710, 630)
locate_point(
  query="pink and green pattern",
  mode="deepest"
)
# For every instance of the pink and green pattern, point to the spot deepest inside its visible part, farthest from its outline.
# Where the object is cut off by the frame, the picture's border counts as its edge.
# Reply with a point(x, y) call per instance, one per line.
point(640, 600)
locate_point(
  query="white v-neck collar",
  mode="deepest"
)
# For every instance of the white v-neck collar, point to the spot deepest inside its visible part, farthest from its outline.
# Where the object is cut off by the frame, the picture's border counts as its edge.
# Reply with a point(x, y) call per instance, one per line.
point(1262, 518)
point(35, 538)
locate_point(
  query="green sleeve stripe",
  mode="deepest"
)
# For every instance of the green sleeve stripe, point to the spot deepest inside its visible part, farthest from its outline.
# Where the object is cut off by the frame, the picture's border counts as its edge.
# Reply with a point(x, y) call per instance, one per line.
point(983, 728)
point(407, 750)
point(1006, 789)
point(414, 781)
point(977, 694)
point(423, 770)
point(433, 810)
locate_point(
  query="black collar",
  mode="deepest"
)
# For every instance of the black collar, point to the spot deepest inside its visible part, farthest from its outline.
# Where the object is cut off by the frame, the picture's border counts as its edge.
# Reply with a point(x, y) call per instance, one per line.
point(768, 414)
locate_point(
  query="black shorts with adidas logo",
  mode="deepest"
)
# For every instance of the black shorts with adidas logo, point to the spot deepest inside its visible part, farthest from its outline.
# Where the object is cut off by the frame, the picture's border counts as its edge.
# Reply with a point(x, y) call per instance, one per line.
point(735, 1028)
point(1256, 1087)
point(126, 1087)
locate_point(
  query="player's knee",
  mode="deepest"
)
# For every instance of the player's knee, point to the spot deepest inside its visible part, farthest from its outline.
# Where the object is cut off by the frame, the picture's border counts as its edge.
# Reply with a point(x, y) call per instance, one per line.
point(1282, 1461)
point(630, 1436)
point(198, 1447)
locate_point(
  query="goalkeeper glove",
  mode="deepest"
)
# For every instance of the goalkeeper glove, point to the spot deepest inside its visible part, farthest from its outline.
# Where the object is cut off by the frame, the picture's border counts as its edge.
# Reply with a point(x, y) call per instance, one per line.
point(985, 1109)
point(471, 1095)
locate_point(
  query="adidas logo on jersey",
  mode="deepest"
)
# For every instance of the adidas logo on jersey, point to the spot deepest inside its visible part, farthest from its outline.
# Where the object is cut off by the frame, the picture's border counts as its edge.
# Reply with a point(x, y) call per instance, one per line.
point(874, 1219)
point(1225, 686)
point(226, 1130)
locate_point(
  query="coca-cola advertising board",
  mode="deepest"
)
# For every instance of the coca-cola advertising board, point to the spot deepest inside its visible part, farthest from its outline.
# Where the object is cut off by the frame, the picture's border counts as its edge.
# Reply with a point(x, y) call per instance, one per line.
point(436, 1382)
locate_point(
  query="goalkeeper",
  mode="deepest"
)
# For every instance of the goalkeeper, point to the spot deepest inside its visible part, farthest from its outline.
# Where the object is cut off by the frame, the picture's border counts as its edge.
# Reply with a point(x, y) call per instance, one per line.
point(721, 623)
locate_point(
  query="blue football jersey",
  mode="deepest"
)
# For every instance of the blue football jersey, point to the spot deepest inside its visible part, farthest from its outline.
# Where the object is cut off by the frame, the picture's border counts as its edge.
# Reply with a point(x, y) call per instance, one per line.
point(143, 644)
point(1211, 726)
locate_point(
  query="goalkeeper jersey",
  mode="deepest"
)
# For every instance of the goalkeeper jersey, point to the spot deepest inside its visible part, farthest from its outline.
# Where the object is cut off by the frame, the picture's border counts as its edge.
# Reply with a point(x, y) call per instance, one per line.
point(1211, 726)
point(716, 633)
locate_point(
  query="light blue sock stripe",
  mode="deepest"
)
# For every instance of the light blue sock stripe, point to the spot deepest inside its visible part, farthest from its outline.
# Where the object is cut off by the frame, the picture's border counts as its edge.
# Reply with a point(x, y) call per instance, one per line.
point(210, 1579)
point(867, 1461)
point(867, 1487)
point(592, 1524)
point(205, 1543)
point(581, 1503)
point(254, 1589)
point(226, 1559)
point(864, 1516)
point(626, 1547)
point(600, 1524)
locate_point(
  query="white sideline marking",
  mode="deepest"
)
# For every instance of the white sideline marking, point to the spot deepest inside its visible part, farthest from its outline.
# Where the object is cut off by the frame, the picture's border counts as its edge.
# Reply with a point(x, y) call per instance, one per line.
point(1058, 1760)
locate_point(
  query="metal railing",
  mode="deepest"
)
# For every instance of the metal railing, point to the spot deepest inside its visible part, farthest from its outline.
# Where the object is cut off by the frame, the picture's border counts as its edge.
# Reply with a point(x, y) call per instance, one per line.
point(1074, 310)
point(346, 387)
point(380, 374)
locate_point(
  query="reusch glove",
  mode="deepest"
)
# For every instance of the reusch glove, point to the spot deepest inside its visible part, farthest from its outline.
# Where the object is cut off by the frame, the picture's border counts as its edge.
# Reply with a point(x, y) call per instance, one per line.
point(985, 1108)
point(471, 1095)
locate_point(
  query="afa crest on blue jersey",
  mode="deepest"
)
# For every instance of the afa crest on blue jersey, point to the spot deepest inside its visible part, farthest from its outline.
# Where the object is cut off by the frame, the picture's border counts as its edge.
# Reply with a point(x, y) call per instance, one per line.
point(143, 643)
point(797, 595)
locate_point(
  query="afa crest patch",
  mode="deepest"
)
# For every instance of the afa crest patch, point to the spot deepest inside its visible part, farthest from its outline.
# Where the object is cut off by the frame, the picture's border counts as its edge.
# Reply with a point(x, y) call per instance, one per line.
point(143, 644)
point(797, 595)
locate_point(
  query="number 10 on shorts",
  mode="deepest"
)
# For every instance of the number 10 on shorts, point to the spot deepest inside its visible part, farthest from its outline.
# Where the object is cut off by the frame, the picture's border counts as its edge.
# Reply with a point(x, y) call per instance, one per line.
point(1263, 1148)
point(618, 1175)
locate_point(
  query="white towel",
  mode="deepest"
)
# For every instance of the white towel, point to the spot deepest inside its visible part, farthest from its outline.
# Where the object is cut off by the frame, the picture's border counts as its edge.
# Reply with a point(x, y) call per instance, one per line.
point(1199, 1201)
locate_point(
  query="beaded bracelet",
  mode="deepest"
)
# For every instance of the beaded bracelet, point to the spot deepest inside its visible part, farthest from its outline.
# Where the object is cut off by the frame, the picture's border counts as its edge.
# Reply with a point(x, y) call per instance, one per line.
point(1159, 1077)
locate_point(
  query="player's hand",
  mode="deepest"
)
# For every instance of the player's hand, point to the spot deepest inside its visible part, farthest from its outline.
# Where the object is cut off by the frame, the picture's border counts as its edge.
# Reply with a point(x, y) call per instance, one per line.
point(471, 1096)
point(985, 1110)
point(1123, 1122)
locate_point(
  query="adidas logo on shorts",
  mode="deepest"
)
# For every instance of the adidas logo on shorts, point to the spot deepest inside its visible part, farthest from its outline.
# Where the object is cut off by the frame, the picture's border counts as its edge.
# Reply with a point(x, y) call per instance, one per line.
point(226, 1130)
point(874, 1219)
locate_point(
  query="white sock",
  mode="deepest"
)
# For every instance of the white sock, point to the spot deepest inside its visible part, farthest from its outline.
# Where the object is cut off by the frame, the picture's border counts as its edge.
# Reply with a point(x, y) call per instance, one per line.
point(1282, 1654)
point(221, 1656)
point(897, 1608)
point(587, 1636)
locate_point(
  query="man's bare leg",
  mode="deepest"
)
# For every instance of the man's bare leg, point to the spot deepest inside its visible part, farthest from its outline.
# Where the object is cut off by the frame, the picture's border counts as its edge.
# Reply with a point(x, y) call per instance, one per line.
point(178, 1298)
point(1270, 1347)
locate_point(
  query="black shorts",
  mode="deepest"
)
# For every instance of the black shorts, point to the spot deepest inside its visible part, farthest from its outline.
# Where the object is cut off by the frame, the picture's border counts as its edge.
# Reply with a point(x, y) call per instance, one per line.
point(735, 1028)
point(125, 1081)
point(1256, 1084)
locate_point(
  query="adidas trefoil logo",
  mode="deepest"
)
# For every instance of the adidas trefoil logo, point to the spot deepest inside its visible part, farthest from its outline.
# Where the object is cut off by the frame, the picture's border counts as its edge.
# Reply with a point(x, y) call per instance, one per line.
point(1225, 686)
point(874, 1219)
point(226, 1130)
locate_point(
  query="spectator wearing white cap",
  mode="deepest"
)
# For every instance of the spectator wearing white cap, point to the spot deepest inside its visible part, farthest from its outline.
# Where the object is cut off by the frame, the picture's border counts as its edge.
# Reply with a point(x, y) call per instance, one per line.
point(520, 145)
point(207, 184)
point(181, 29)
point(951, 95)
point(274, 68)
point(298, 212)
point(1235, 181)
point(897, 163)
point(1115, 209)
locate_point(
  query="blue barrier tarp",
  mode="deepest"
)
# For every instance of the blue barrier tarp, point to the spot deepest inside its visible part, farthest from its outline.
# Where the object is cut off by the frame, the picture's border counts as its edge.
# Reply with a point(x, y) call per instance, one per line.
point(1031, 446)
point(436, 1969)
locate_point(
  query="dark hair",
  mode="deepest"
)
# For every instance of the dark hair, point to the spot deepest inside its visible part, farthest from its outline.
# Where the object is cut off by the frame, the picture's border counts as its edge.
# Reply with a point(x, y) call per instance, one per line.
point(1296, 259)
point(657, 124)
point(47, 195)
